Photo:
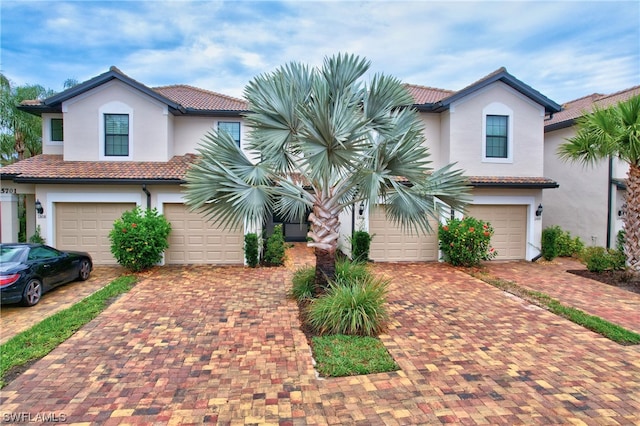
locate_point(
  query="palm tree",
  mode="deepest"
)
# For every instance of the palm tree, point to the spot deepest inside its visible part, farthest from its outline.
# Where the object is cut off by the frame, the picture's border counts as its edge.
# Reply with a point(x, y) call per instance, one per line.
point(20, 132)
point(321, 140)
point(613, 132)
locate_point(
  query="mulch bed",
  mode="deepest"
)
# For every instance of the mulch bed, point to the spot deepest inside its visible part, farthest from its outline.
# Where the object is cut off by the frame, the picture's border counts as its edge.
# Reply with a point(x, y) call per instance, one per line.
point(622, 279)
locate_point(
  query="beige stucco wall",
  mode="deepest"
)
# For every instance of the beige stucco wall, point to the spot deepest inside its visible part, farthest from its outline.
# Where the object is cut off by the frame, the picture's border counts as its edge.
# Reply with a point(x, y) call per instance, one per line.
point(83, 124)
point(49, 147)
point(189, 132)
point(433, 136)
point(579, 205)
point(466, 133)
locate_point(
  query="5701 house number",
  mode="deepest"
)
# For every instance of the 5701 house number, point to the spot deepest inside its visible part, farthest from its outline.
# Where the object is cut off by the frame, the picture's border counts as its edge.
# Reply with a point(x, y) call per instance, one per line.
point(8, 191)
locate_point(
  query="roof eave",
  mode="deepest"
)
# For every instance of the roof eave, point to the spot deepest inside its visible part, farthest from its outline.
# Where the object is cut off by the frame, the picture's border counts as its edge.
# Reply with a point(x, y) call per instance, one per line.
point(559, 125)
point(125, 181)
point(506, 78)
point(101, 79)
point(523, 185)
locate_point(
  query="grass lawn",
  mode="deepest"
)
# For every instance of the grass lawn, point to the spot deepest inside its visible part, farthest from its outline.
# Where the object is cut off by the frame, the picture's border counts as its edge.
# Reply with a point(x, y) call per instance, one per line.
point(340, 355)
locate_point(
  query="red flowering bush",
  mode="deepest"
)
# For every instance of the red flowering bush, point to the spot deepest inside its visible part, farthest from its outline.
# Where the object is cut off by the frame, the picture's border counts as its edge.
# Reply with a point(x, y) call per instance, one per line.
point(466, 242)
point(138, 238)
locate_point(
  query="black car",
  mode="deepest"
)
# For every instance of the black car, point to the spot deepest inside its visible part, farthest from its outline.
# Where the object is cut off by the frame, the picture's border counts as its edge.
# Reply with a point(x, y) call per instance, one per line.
point(27, 271)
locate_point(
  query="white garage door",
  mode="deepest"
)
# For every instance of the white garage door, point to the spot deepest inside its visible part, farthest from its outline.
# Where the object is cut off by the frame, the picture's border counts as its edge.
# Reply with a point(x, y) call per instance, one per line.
point(193, 240)
point(391, 244)
point(86, 227)
point(510, 228)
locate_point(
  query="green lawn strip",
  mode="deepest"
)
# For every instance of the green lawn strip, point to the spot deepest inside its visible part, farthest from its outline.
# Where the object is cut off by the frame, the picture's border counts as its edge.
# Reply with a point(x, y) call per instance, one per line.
point(596, 324)
point(340, 355)
point(45, 336)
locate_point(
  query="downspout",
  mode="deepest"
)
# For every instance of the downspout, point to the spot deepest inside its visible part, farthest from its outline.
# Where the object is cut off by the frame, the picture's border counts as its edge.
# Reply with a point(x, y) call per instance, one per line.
point(609, 201)
point(146, 191)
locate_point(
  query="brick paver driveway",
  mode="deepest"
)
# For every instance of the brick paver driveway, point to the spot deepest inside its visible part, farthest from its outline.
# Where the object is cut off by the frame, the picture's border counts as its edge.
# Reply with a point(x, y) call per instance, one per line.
point(222, 345)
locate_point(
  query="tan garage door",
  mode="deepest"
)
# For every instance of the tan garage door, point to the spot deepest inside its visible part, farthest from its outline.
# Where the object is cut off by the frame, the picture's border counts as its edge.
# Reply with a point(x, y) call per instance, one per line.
point(391, 244)
point(510, 228)
point(86, 226)
point(193, 240)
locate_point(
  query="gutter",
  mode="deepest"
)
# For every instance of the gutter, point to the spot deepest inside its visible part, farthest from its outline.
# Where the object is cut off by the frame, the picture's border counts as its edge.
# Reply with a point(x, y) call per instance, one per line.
point(609, 201)
point(146, 191)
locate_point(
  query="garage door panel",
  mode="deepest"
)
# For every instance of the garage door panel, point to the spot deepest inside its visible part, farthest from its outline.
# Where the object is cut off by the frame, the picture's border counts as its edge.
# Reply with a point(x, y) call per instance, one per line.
point(391, 244)
point(510, 228)
point(86, 227)
point(194, 240)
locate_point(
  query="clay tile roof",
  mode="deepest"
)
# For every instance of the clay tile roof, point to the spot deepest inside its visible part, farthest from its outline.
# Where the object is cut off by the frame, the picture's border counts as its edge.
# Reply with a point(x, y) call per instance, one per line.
point(578, 107)
point(200, 99)
point(427, 95)
point(53, 167)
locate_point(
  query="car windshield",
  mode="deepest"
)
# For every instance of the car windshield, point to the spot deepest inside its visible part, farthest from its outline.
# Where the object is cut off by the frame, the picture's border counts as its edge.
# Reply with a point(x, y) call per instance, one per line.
point(11, 254)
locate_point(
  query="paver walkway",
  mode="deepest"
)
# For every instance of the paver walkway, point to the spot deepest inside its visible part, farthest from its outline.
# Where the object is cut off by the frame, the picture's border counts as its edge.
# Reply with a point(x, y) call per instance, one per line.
point(613, 304)
point(194, 345)
point(16, 318)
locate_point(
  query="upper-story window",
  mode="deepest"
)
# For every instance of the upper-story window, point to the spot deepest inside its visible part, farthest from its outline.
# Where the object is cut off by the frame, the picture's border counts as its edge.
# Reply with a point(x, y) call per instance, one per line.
point(56, 130)
point(497, 136)
point(231, 127)
point(497, 133)
point(116, 135)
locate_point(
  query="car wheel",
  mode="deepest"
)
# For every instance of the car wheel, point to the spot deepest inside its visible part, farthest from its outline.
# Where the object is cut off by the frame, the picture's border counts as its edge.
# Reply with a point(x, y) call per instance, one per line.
point(32, 293)
point(85, 270)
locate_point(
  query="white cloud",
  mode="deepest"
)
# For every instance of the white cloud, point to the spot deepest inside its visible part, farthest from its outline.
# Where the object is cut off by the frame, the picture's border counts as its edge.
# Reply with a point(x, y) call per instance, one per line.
point(562, 49)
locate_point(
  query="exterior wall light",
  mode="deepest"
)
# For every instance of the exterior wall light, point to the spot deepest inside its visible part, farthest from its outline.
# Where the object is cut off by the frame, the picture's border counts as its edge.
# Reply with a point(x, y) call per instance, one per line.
point(539, 210)
point(39, 208)
point(361, 209)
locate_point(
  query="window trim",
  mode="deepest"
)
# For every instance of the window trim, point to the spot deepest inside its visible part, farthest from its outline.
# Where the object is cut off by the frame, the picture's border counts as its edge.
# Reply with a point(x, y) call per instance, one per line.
point(499, 109)
point(121, 108)
point(107, 135)
point(47, 129)
point(239, 123)
point(51, 128)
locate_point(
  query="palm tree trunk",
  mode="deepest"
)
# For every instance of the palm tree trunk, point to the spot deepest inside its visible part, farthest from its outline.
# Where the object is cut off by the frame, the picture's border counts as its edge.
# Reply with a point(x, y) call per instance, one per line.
point(325, 270)
point(632, 218)
point(324, 234)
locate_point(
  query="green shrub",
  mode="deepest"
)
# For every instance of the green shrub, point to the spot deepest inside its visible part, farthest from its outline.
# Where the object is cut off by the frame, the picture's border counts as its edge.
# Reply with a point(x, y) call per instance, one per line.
point(360, 244)
point(351, 307)
point(274, 253)
point(251, 249)
point(568, 246)
point(599, 259)
point(466, 242)
point(617, 259)
point(37, 237)
point(303, 281)
point(550, 248)
point(138, 238)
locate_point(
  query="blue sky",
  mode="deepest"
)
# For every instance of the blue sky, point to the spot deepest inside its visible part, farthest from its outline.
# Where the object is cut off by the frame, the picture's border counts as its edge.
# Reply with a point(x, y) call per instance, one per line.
point(564, 49)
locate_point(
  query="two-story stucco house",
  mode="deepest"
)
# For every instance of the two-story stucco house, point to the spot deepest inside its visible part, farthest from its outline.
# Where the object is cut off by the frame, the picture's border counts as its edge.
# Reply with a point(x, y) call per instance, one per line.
point(111, 143)
point(493, 130)
point(590, 200)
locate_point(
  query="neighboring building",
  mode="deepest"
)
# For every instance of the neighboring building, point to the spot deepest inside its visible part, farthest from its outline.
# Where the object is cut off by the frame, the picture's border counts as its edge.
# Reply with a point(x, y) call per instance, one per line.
point(590, 200)
point(112, 143)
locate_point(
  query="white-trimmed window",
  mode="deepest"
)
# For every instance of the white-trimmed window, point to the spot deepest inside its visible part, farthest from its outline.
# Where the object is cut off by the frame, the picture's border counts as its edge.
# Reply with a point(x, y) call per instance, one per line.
point(232, 128)
point(116, 135)
point(116, 131)
point(497, 134)
point(56, 130)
